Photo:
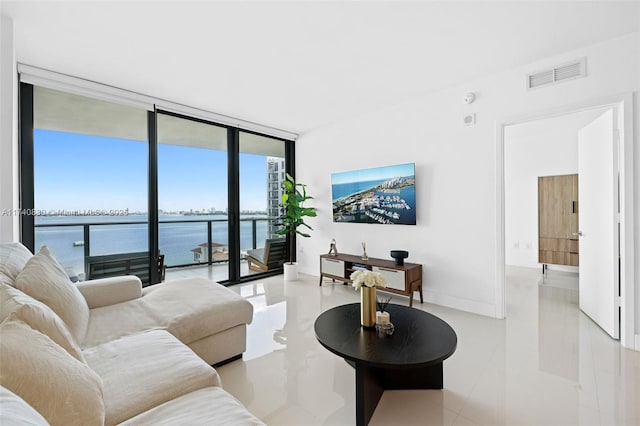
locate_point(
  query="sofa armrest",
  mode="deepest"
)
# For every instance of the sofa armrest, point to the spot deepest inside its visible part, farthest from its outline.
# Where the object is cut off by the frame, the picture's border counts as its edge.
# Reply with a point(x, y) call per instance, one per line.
point(109, 291)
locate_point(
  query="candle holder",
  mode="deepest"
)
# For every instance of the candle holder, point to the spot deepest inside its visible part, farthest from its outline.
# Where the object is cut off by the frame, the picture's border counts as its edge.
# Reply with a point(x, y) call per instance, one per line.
point(385, 329)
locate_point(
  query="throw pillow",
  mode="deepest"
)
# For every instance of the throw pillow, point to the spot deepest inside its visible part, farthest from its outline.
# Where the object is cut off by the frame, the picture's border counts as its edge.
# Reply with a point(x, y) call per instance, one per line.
point(44, 279)
point(17, 412)
point(13, 257)
point(62, 389)
point(38, 316)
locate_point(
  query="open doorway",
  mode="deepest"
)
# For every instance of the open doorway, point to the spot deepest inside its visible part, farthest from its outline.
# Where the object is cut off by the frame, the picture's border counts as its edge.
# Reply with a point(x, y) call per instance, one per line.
point(533, 149)
point(541, 153)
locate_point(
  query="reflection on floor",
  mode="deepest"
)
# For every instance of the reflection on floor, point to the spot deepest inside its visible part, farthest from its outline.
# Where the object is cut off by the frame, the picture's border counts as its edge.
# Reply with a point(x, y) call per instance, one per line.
point(552, 278)
point(547, 364)
point(216, 272)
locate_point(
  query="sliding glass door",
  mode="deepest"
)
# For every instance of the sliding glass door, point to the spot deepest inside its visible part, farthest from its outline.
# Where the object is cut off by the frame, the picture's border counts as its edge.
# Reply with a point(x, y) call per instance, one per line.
point(262, 170)
point(193, 225)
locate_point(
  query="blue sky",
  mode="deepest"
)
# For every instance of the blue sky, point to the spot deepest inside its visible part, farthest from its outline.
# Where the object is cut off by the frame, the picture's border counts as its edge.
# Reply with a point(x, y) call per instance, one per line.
point(376, 173)
point(80, 172)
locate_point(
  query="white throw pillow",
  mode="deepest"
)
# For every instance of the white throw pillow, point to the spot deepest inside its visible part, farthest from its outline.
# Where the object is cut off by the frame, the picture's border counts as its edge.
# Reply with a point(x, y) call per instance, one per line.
point(39, 317)
point(13, 257)
point(44, 279)
point(17, 412)
point(62, 389)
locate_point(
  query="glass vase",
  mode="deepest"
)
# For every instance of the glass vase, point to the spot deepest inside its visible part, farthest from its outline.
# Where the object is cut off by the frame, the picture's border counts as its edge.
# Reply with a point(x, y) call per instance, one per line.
point(368, 306)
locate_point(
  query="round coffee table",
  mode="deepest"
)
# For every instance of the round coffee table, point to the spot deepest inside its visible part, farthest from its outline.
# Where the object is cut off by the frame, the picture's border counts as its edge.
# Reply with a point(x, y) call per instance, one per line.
point(410, 358)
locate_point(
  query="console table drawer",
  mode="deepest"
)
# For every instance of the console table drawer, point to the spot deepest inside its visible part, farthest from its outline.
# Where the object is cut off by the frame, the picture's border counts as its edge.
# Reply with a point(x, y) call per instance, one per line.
point(394, 277)
point(332, 267)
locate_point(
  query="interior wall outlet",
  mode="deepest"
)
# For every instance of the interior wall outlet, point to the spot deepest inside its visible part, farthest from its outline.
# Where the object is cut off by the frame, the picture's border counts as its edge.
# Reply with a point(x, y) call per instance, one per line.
point(469, 119)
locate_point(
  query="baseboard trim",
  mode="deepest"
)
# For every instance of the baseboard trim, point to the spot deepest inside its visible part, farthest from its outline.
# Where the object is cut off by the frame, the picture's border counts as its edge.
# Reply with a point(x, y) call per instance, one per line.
point(473, 306)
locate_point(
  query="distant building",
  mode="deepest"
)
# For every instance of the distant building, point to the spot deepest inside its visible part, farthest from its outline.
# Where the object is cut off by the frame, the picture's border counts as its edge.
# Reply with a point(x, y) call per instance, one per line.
point(219, 252)
point(275, 177)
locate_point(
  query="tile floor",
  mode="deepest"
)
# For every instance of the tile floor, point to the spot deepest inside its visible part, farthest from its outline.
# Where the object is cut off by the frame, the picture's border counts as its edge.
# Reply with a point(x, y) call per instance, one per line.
point(547, 364)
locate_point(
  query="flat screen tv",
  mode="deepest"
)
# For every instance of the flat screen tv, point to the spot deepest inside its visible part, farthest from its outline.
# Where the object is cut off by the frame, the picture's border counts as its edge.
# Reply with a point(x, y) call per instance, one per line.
point(385, 195)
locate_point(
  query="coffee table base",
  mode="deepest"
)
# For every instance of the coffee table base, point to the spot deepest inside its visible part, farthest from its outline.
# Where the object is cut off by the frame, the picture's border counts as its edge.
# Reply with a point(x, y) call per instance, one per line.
point(371, 382)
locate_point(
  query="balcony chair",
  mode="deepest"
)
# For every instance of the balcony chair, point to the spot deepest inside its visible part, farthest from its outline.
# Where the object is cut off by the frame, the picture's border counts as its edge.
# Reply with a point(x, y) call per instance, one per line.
point(272, 256)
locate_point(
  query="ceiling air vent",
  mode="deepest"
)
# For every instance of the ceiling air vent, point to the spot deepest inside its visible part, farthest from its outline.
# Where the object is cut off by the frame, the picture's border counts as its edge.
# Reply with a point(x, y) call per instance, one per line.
point(571, 70)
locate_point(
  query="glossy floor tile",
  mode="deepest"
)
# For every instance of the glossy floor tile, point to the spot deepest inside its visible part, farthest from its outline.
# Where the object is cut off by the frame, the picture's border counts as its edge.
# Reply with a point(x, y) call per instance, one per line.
point(547, 364)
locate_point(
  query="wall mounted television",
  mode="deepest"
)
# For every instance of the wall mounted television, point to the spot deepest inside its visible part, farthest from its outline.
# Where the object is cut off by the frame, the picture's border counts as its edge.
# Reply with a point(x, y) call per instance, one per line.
point(385, 195)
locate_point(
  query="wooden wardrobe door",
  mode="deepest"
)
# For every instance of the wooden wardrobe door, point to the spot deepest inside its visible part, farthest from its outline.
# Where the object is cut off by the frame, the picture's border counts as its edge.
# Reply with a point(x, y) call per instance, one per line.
point(558, 219)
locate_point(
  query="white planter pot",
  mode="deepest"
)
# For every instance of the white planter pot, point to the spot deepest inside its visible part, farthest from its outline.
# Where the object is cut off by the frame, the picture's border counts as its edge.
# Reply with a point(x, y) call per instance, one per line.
point(290, 271)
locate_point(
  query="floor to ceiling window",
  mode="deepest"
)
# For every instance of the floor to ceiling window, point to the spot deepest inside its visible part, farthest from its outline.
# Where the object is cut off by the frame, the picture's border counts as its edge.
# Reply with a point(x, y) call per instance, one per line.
point(193, 194)
point(116, 177)
point(262, 170)
point(90, 177)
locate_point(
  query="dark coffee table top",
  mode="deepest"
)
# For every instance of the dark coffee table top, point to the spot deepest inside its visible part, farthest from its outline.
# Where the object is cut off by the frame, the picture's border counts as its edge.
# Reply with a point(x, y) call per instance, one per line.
point(420, 339)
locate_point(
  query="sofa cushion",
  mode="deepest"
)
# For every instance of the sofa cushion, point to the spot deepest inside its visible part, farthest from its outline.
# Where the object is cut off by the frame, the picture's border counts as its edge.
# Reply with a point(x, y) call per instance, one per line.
point(44, 279)
point(144, 370)
point(208, 406)
point(13, 257)
point(17, 412)
point(38, 316)
point(196, 307)
point(62, 389)
point(190, 309)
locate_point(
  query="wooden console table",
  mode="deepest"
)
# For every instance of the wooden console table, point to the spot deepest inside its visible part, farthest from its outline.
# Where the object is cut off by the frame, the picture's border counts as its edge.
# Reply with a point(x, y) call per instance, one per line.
point(403, 279)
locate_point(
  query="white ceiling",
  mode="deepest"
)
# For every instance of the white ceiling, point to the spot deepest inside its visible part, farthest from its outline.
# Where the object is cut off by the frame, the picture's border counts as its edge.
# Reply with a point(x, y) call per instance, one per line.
point(300, 65)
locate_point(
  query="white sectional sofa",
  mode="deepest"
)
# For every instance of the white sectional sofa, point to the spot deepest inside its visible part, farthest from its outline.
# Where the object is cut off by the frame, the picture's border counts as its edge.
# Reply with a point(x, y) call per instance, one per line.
point(107, 352)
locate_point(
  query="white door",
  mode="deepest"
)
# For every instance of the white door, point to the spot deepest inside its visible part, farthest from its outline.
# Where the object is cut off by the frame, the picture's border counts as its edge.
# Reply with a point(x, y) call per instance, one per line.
point(598, 208)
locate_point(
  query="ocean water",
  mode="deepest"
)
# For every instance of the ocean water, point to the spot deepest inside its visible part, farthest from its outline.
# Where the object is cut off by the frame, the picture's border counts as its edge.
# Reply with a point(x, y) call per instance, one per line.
point(408, 194)
point(176, 240)
point(345, 189)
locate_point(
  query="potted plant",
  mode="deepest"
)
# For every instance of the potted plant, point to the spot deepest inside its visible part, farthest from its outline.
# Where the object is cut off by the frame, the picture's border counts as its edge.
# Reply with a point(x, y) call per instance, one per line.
point(294, 212)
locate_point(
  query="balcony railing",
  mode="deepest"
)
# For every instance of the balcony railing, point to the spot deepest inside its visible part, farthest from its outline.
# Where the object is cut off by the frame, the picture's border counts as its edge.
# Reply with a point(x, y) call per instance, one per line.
point(188, 242)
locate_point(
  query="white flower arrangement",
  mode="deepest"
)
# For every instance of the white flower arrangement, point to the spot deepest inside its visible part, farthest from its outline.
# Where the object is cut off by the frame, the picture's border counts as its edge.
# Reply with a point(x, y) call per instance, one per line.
point(367, 279)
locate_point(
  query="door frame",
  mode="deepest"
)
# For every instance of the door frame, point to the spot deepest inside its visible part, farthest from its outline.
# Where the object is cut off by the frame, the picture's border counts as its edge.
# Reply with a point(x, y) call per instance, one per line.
point(623, 103)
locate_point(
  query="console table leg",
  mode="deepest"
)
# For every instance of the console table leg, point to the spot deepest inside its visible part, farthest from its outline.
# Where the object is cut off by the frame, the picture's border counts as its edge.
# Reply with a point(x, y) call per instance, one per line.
point(368, 392)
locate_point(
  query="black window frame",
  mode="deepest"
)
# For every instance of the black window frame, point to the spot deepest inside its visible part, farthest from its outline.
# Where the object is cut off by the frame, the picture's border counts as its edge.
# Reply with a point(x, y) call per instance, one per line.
point(27, 200)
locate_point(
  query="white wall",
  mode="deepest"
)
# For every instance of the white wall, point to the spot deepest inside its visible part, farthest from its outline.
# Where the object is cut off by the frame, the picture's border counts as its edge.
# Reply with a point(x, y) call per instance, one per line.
point(455, 170)
point(545, 147)
point(8, 132)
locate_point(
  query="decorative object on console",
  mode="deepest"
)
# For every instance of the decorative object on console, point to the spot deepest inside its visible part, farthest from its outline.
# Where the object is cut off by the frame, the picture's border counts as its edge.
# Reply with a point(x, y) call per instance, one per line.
point(399, 256)
point(364, 251)
point(378, 195)
point(367, 281)
point(293, 198)
point(333, 251)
